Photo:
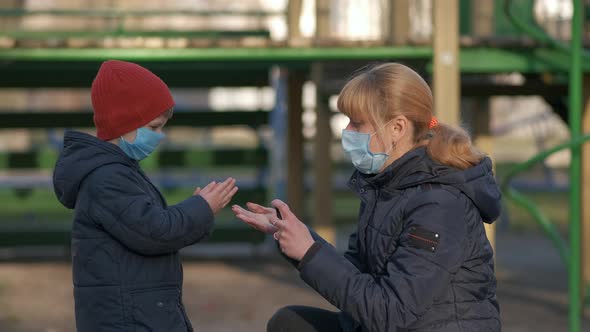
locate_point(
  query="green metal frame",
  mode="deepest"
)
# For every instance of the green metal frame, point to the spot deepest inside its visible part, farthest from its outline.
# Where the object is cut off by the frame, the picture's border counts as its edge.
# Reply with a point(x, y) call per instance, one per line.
point(267, 55)
point(536, 32)
point(24, 68)
point(575, 122)
point(571, 257)
point(521, 200)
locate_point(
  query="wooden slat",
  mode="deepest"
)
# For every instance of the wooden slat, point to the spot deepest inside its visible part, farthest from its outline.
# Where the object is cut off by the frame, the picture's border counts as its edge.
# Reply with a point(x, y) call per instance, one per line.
point(293, 19)
point(483, 18)
point(84, 119)
point(12, 11)
point(322, 16)
point(399, 21)
point(87, 34)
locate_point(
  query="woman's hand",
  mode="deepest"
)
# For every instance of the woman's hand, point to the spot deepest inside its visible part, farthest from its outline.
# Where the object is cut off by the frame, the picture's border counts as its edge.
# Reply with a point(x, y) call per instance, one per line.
point(257, 216)
point(218, 195)
point(293, 236)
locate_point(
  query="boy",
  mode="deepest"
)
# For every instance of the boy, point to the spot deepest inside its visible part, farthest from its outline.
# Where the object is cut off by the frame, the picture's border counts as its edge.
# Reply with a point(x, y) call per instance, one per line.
point(127, 271)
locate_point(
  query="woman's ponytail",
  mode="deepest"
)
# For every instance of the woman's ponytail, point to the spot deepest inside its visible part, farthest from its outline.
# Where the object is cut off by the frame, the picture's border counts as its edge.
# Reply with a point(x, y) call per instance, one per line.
point(452, 146)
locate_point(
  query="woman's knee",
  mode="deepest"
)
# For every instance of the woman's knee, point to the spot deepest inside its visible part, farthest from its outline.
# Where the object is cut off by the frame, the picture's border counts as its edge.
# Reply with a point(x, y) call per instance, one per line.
point(285, 319)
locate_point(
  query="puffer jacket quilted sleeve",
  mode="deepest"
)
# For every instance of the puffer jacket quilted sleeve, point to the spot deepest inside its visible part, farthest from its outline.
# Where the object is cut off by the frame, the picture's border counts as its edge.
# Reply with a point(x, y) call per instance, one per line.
point(413, 276)
point(123, 209)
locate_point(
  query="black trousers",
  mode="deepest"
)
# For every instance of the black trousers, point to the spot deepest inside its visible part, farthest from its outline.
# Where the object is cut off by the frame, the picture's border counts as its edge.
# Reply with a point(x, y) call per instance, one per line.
point(304, 319)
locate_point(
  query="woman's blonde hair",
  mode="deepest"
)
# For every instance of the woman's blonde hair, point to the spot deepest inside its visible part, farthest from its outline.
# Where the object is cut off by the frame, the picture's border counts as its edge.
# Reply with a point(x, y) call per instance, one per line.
point(385, 91)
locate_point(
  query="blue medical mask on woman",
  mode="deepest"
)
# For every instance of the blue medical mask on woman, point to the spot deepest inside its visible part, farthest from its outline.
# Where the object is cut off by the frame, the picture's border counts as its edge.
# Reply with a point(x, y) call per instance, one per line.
point(356, 147)
point(146, 141)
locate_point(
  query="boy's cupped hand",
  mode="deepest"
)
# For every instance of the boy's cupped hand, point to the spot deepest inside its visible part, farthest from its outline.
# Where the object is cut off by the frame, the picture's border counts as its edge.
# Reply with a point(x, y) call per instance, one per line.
point(218, 194)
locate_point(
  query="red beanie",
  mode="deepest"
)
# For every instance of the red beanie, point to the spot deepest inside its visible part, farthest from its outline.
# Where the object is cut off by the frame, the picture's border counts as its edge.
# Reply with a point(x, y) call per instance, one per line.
point(126, 96)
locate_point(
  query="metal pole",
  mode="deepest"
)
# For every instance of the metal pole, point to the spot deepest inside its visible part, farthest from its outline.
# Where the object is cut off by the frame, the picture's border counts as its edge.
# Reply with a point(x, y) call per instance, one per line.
point(575, 119)
point(294, 144)
point(323, 217)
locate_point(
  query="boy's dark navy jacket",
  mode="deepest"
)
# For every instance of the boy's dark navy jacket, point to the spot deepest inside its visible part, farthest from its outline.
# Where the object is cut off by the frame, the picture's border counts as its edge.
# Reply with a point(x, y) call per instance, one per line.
point(126, 268)
point(420, 259)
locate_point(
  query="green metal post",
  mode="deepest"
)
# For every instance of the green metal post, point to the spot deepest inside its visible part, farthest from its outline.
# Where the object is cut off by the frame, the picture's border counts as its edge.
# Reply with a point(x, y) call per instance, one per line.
point(575, 120)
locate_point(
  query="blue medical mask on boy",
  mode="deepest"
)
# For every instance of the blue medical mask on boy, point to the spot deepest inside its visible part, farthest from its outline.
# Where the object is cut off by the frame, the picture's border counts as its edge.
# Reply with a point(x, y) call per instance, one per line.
point(146, 141)
point(356, 147)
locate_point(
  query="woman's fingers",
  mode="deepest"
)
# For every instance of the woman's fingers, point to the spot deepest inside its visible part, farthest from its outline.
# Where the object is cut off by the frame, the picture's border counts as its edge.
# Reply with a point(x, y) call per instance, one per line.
point(275, 221)
point(248, 216)
point(256, 221)
point(252, 223)
point(239, 210)
point(257, 208)
point(283, 208)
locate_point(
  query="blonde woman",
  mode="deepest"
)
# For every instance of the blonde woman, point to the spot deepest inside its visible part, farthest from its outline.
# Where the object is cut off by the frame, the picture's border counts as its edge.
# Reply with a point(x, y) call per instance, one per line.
point(419, 259)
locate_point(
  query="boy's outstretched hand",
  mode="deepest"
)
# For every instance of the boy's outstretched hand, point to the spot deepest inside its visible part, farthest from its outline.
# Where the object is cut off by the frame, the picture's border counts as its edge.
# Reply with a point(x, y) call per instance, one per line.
point(218, 194)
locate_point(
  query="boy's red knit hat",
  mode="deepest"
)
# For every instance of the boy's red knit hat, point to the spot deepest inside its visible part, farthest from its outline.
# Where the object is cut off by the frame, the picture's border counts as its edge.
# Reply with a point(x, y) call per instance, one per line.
point(126, 96)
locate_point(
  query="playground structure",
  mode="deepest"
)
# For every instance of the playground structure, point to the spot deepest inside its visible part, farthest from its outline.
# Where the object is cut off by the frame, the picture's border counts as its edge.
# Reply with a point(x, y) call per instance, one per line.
point(470, 45)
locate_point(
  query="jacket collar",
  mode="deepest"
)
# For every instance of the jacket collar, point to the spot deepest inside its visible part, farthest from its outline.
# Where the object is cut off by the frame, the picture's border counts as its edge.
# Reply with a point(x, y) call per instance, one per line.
point(394, 176)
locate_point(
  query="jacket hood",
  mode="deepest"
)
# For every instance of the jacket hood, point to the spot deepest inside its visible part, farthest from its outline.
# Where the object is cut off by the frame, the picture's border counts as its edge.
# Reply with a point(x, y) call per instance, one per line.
point(416, 168)
point(82, 154)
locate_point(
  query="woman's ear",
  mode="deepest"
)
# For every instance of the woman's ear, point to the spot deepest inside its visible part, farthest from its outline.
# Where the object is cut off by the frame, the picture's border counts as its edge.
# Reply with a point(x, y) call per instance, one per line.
point(399, 127)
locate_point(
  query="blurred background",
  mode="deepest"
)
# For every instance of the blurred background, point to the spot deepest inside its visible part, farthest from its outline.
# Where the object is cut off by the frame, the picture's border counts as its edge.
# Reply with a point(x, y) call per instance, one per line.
point(256, 84)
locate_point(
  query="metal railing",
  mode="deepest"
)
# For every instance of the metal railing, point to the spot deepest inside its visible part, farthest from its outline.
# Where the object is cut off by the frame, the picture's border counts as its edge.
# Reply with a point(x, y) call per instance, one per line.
point(572, 255)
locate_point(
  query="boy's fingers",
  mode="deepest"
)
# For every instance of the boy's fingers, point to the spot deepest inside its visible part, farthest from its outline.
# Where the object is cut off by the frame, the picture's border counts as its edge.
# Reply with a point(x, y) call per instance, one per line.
point(229, 187)
point(226, 196)
point(223, 186)
point(231, 194)
point(209, 187)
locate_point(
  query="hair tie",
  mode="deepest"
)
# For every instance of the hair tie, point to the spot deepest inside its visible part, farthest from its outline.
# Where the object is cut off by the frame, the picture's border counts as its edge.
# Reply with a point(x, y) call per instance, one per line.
point(433, 122)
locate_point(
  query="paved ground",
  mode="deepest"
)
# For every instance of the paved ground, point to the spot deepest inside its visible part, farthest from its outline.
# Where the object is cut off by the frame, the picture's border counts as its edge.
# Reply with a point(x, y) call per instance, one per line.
point(223, 296)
